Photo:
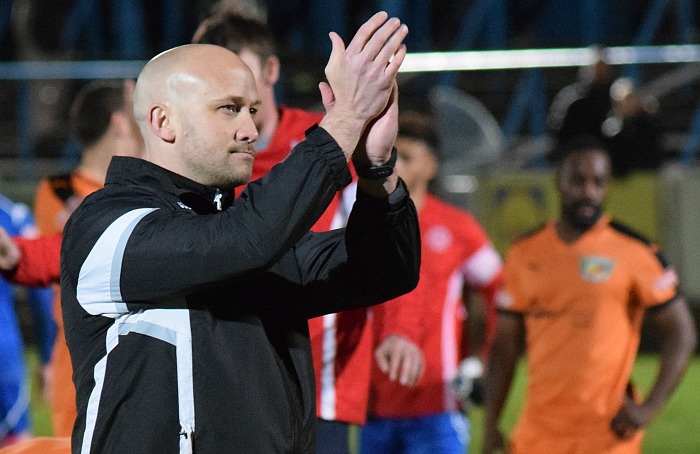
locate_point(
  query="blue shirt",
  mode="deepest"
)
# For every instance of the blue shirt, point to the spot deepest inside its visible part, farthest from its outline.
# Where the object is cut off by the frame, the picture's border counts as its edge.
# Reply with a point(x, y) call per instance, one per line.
point(17, 220)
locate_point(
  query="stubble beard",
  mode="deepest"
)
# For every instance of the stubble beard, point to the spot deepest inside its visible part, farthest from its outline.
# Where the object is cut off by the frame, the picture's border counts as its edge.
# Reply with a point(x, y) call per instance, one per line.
point(582, 222)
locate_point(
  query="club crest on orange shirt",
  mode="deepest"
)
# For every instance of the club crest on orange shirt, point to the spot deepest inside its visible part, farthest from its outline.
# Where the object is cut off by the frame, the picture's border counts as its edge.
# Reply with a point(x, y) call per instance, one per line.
point(596, 269)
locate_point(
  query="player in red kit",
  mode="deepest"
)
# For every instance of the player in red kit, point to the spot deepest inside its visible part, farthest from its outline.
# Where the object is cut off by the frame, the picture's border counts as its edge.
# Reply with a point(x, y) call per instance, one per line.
point(456, 256)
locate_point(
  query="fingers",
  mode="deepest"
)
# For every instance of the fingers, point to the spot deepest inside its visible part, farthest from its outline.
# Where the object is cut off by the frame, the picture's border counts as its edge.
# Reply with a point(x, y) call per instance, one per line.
point(4, 237)
point(392, 45)
point(366, 31)
point(412, 368)
point(361, 78)
point(394, 365)
point(622, 427)
point(383, 43)
point(393, 104)
point(392, 69)
point(401, 360)
point(337, 47)
point(9, 252)
point(382, 357)
point(494, 442)
point(327, 96)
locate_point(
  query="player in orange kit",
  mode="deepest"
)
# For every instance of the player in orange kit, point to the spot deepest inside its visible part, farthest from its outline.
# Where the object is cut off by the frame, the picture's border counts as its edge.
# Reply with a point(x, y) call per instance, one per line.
point(577, 290)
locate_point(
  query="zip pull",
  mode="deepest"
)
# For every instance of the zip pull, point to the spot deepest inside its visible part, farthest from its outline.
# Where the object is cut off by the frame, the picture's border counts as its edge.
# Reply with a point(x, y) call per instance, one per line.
point(186, 442)
point(217, 200)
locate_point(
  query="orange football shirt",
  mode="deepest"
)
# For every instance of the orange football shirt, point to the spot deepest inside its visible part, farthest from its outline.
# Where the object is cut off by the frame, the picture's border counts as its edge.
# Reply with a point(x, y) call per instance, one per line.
point(54, 202)
point(582, 305)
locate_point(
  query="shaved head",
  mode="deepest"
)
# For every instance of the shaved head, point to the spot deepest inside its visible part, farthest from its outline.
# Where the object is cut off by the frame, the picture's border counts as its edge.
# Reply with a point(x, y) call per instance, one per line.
point(188, 98)
point(167, 75)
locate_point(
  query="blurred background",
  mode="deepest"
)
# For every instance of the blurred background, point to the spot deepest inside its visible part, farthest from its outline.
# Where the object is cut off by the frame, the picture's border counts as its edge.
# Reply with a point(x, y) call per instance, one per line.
point(500, 77)
point(505, 80)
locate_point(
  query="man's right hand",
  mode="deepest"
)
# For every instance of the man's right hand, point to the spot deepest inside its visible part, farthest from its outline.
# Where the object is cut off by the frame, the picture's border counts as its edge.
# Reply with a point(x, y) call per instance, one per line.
point(361, 78)
point(400, 359)
point(9, 252)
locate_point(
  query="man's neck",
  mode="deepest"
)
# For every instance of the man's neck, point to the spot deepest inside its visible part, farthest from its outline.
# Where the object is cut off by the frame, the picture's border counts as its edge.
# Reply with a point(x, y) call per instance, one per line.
point(94, 164)
point(569, 232)
point(418, 196)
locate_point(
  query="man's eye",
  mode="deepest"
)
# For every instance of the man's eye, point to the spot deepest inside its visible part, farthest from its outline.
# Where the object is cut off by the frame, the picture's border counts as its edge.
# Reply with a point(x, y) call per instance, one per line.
point(230, 108)
point(253, 111)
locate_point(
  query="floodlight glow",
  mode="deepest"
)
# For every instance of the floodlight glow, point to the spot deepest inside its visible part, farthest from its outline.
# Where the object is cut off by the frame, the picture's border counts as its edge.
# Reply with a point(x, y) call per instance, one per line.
point(414, 62)
point(546, 58)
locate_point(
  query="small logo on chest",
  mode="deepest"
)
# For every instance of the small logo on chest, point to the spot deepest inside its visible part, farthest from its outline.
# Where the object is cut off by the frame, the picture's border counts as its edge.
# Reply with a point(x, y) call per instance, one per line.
point(438, 238)
point(596, 269)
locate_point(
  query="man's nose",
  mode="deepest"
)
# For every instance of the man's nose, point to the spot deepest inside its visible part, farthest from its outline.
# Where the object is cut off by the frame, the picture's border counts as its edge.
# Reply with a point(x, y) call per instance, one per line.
point(591, 190)
point(248, 132)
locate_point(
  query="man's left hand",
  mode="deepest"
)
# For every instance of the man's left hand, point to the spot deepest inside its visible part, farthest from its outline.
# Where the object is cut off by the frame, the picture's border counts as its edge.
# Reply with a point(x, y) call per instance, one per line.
point(630, 418)
point(400, 359)
point(9, 252)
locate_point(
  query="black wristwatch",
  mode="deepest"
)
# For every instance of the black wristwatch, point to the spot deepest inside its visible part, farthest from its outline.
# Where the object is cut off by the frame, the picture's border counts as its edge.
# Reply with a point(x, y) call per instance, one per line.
point(377, 172)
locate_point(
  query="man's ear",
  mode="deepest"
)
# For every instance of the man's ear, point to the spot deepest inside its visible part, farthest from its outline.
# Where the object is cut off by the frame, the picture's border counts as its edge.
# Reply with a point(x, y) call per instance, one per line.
point(271, 70)
point(119, 123)
point(431, 167)
point(160, 121)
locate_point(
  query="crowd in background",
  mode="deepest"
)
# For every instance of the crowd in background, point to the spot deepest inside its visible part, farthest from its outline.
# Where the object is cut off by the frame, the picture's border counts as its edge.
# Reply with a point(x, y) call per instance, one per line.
point(136, 30)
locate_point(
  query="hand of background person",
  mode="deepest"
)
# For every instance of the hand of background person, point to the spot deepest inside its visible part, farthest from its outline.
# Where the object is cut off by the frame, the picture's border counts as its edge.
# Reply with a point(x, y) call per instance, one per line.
point(39, 378)
point(361, 78)
point(400, 359)
point(9, 252)
point(630, 418)
point(47, 382)
point(493, 442)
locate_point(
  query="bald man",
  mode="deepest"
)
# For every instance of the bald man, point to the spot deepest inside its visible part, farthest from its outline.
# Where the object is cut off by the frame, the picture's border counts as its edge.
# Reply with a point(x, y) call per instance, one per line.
point(186, 316)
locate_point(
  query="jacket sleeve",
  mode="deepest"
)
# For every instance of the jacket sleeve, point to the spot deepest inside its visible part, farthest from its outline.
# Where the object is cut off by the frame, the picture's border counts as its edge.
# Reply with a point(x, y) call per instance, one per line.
point(39, 263)
point(378, 260)
point(166, 252)
point(38, 268)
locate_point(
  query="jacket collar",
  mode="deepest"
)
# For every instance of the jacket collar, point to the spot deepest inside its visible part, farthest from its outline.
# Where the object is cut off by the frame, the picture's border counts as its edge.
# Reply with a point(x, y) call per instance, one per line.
point(138, 172)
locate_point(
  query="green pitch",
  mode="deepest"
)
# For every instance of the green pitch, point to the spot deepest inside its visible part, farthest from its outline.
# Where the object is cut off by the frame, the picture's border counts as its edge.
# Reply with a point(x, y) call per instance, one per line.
point(674, 430)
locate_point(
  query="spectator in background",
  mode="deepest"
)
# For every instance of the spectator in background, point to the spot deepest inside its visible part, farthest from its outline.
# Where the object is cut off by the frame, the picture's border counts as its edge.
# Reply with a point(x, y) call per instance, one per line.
point(340, 343)
point(576, 292)
point(631, 130)
point(582, 107)
point(456, 257)
point(103, 121)
point(249, 9)
point(16, 219)
point(613, 110)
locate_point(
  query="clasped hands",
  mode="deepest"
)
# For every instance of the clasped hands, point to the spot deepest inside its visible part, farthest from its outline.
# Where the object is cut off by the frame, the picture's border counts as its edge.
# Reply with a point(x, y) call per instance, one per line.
point(360, 96)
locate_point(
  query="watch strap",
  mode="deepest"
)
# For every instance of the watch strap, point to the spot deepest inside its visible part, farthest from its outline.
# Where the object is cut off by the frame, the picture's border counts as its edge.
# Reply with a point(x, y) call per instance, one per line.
point(377, 172)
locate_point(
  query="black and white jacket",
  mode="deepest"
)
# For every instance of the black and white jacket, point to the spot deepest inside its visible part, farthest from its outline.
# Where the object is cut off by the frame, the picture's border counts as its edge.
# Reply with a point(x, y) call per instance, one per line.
point(186, 316)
